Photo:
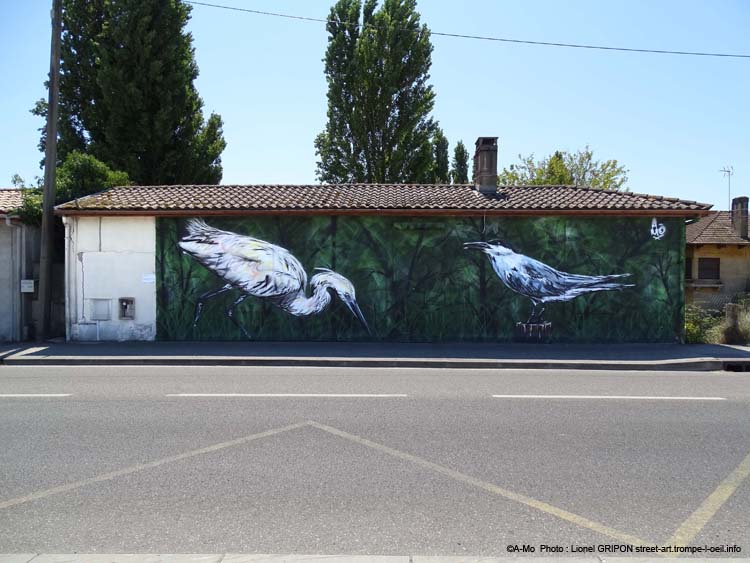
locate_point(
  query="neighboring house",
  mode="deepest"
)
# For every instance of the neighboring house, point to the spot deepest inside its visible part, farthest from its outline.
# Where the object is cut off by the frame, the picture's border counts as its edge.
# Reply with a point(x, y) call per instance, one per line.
point(421, 263)
point(717, 266)
point(19, 249)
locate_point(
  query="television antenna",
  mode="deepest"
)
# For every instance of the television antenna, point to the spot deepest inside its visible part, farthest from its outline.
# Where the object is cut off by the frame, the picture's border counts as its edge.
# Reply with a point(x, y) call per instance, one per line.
point(728, 172)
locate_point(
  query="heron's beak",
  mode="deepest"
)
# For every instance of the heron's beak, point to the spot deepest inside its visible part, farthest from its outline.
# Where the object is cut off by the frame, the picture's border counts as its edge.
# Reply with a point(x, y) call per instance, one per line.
point(351, 303)
point(476, 246)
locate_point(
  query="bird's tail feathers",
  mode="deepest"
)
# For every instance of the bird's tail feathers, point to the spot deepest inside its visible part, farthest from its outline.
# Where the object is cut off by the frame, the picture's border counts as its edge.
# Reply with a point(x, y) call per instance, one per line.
point(595, 281)
point(200, 237)
point(614, 277)
point(593, 288)
point(198, 226)
point(200, 231)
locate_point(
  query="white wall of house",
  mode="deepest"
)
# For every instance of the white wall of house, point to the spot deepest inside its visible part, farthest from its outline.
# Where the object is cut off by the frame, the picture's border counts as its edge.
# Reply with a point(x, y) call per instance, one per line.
point(108, 259)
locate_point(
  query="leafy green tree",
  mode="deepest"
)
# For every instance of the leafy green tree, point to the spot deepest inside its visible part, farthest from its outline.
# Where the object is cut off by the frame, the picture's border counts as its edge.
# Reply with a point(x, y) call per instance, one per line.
point(377, 66)
point(442, 160)
point(30, 210)
point(563, 167)
point(606, 175)
point(556, 172)
point(17, 181)
point(127, 95)
point(460, 165)
point(80, 175)
point(83, 21)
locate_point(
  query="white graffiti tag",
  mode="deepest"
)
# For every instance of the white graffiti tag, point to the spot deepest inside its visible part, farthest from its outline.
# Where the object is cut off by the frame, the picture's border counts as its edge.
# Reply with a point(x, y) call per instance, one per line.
point(658, 230)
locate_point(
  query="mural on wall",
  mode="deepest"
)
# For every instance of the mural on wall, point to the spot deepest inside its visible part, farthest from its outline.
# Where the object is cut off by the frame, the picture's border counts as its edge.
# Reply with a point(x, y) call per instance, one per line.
point(260, 269)
point(538, 281)
point(415, 281)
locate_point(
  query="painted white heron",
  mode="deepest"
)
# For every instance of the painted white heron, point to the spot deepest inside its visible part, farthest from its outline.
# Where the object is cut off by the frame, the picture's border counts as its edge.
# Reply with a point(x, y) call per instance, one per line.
point(538, 281)
point(260, 269)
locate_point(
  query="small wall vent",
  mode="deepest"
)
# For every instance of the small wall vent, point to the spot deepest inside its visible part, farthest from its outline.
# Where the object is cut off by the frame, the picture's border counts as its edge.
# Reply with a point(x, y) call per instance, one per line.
point(101, 309)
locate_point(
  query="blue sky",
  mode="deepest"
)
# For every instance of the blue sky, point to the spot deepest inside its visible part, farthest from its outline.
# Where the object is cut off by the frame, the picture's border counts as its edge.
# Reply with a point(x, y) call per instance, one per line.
point(672, 121)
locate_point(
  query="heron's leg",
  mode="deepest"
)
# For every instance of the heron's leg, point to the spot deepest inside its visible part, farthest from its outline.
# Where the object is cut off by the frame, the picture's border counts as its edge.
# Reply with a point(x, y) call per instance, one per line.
point(230, 314)
point(532, 315)
point(205, 297)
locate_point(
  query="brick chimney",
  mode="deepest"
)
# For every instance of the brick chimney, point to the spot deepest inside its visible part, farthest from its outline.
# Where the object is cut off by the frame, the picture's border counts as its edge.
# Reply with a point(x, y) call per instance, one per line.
point(739, 216)
point(485, 165)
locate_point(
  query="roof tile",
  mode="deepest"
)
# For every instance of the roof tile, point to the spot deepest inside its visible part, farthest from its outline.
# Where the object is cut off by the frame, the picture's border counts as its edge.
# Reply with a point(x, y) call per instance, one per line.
point(10, 198)
point(715, 228)
point(443, 197)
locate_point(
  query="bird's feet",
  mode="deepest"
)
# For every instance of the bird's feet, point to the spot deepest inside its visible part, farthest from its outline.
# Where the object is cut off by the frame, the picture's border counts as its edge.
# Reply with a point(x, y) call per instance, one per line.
point(536, 316)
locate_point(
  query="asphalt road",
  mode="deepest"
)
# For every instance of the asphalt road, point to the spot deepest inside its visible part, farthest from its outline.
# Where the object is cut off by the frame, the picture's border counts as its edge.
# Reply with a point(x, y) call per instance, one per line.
point(129, 459)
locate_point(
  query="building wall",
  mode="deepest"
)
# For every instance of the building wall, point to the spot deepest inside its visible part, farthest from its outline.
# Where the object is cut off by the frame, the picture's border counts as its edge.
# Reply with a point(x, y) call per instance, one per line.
point(19, 249)
point(734, 270)
point(9, 292)
point(414, 280)
point(109, 258)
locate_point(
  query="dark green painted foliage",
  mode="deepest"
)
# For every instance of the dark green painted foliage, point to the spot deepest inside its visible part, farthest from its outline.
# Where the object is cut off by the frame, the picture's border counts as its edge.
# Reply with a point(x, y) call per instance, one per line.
point(415, 282)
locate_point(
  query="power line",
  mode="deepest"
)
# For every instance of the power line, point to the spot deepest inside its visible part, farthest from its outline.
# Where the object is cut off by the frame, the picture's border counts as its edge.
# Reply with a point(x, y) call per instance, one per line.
point(485, 38)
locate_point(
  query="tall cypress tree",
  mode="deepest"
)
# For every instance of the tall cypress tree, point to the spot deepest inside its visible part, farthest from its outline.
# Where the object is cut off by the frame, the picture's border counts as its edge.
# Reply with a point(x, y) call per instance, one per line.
point(377, 66)
point(82, 27)
point(127, 95)
point(460, 171)
point(442, 160)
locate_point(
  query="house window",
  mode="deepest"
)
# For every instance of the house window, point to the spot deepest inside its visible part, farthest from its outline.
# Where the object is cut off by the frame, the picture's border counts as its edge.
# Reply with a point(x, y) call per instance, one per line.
point(688, 267)
point(708, 269)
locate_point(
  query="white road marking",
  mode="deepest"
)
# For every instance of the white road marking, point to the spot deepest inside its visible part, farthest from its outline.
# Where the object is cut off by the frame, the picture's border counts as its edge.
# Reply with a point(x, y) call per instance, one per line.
point(44, 493)
point(32, 395)
point(617, 397)
point(32, 350)
point(311, 395)
point(489, 487)
point(690, 528)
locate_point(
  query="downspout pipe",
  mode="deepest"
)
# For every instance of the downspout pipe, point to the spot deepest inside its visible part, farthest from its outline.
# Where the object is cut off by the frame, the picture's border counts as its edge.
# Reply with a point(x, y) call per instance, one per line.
point(68, 286)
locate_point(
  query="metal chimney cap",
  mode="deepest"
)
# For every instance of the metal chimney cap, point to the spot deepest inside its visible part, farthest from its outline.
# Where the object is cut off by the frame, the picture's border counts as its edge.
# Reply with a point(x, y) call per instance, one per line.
point(486, 141)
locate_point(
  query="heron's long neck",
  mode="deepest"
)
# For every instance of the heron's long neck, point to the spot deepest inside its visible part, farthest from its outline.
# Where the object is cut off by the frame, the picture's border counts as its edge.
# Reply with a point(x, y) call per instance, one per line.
point(301, 305)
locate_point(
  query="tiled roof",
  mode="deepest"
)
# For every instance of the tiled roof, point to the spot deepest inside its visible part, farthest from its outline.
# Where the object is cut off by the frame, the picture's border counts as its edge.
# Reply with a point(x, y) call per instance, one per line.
point(715, 228)
point(10, 198)
point(366, 197)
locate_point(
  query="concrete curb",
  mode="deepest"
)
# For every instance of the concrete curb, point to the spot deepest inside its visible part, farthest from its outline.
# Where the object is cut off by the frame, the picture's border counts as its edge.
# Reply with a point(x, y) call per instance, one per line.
point(687, 364)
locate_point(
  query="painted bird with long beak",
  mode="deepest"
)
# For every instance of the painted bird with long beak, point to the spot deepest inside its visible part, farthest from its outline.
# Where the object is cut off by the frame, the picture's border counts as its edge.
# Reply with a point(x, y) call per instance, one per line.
point(260, 269)
point(538, 281)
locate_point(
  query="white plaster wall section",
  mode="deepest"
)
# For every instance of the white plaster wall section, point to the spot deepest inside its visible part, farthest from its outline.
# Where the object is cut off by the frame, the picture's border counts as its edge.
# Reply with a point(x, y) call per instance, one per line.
point(128, 234)
point(114, 257)
point(88, 234)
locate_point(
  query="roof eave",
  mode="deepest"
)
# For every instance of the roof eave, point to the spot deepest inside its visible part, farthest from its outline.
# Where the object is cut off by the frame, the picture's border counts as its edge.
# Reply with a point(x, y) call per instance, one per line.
point(717, 243)
point(687, 213)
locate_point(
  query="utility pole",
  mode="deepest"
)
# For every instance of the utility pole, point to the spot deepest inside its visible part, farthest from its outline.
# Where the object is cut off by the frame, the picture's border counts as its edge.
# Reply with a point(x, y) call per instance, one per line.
point(50, 163)
point(728, 171)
